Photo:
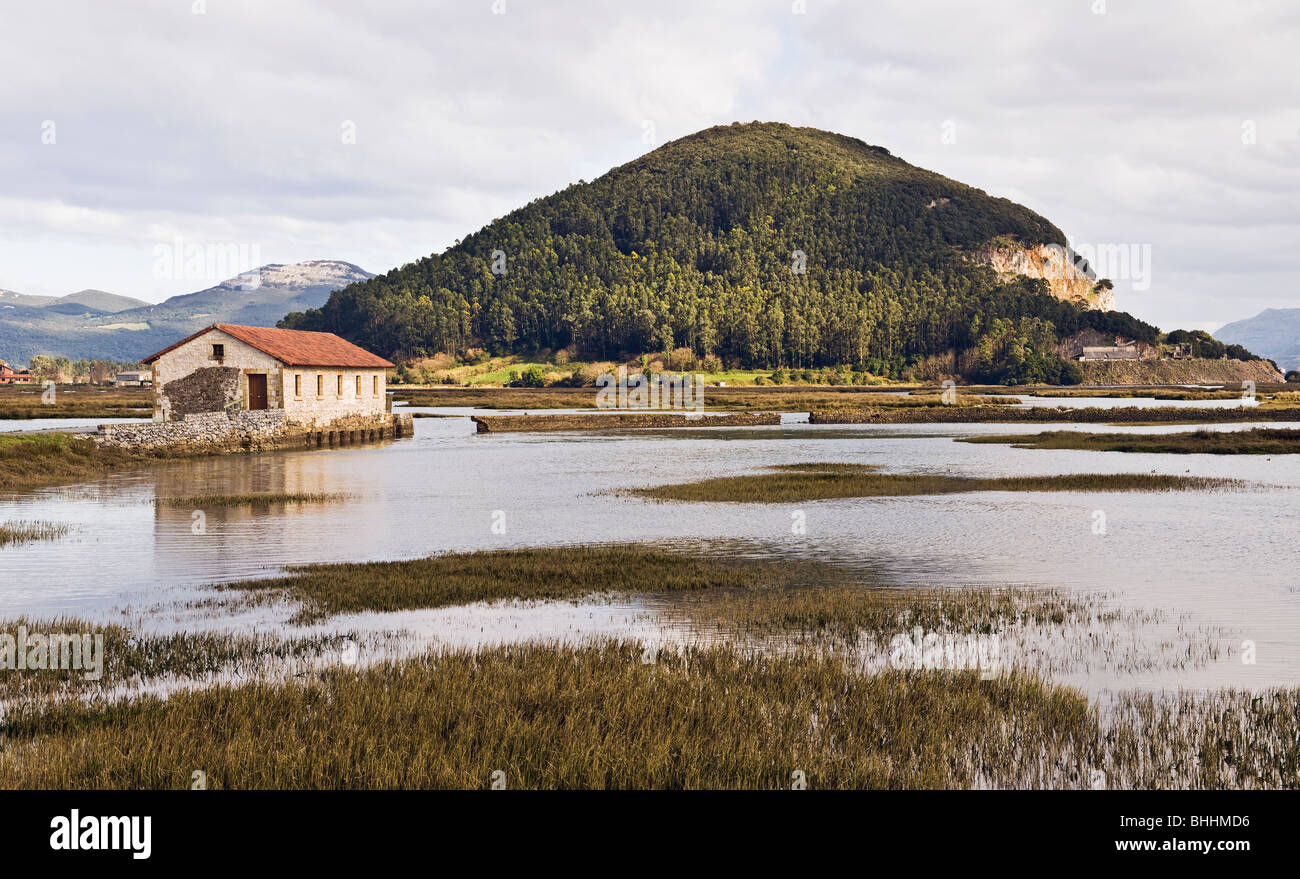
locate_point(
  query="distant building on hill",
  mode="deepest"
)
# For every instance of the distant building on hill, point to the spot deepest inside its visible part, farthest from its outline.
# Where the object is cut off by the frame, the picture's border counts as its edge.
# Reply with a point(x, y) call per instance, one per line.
point(1121, 350)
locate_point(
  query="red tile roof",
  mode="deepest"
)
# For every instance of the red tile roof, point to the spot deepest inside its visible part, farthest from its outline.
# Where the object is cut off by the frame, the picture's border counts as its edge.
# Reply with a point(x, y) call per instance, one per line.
point(293, 347)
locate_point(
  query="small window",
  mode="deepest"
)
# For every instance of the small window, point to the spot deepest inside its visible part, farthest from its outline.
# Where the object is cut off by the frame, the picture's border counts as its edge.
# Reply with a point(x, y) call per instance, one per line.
point(376, 386)
point(358, 386)
point(297, 385)
point(320, 385)
point(338, 389)
point(218, 352)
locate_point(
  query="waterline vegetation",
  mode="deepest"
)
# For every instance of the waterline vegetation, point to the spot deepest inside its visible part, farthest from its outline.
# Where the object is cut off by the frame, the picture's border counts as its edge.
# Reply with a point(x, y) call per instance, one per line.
point(823, 481)
point(602, 716)
point(33, 460)
point(1258, 441)
point(984, 414)
point(83, 401)
point(1046, 631)
point(546, 573)
point(622, 714)
point(21, 531)
point(133, 658)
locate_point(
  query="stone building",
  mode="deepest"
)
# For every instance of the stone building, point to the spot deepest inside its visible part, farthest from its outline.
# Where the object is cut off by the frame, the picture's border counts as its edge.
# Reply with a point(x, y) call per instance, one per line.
point(236, 388)
point(314, 378)
point(1121, 350)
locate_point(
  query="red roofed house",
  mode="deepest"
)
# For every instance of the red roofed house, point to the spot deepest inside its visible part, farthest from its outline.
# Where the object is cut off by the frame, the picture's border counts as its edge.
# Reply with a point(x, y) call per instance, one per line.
point(315, 378)
point(10, 376)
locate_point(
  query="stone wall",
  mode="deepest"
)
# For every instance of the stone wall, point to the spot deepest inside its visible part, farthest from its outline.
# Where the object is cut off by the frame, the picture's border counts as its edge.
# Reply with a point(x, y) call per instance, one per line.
point(198, 429)
point(207, 389)
point(196, 355)
point(242, 431)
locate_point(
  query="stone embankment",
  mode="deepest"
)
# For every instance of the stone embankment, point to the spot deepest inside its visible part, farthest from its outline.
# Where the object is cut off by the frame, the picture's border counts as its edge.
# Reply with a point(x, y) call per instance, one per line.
point(1180, 372)
point(245, 431)
point(599, 421)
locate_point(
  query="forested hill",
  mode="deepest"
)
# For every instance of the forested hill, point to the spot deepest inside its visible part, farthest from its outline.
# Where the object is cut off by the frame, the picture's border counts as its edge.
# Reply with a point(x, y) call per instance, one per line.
point(761, 243)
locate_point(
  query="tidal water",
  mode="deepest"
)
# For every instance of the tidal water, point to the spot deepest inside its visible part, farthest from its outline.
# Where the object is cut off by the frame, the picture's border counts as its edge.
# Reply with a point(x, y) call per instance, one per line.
point(1221, 561)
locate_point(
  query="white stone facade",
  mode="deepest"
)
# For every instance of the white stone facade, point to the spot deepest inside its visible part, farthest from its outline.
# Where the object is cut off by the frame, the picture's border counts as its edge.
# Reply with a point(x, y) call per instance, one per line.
point(309, 396)
point(319, 395)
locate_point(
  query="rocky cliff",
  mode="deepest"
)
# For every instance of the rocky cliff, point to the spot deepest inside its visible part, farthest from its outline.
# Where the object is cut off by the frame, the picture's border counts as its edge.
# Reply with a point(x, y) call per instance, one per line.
point(1050, 262)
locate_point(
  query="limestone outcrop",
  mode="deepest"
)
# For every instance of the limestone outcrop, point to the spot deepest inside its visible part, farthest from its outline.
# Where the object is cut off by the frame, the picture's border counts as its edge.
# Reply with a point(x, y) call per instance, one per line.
point(1053, 264)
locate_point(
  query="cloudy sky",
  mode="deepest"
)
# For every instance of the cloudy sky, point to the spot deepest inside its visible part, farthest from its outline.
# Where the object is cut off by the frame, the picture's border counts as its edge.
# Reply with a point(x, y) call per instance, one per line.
point(379, 132)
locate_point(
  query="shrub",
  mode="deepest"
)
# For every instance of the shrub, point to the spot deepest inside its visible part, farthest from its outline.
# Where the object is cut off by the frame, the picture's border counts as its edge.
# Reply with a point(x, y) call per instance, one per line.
point(681, 359)
point(587, 375)
point(532, 377)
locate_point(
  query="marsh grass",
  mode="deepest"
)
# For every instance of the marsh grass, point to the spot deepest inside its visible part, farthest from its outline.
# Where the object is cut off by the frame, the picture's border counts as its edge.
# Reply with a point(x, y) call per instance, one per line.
point(924, 398)
point(501, 398)
point(203, 501)
point(599, 716)
point(22, 531)
point(132, 658)
point(38, 459)
point(31, 460)
point(805, 482)
point(845, 613)
point(1258, 441)
point(84, 401)
point(1121, 393)
point(556, 717)
point(1045, 631)
point(787, 398)
point(772, 603)
point(985, 414)
point(547, 573)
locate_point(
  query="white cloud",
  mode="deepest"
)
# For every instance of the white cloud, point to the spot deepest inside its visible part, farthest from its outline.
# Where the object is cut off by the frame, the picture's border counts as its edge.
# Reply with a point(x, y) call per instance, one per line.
point(227, 127)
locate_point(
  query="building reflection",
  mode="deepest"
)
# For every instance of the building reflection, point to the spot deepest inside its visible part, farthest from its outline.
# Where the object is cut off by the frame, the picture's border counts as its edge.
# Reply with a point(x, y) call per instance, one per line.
point(193, 515)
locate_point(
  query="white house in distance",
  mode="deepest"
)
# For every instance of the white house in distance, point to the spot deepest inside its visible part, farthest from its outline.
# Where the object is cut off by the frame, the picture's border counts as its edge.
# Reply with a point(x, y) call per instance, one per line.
point(315, 378)
point(132, 379)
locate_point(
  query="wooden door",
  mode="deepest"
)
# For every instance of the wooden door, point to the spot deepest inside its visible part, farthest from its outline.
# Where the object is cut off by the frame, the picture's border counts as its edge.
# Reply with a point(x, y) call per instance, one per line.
point(257, 390)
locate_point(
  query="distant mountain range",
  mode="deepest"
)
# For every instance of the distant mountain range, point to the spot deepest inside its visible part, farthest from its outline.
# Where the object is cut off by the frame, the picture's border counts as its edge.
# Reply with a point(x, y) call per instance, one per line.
point(81, 302)
point(1273, 333)
point(96, 324)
